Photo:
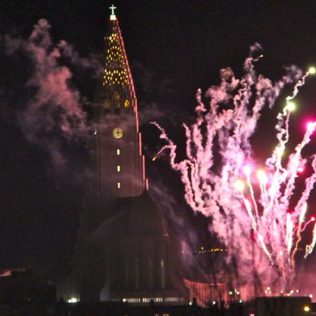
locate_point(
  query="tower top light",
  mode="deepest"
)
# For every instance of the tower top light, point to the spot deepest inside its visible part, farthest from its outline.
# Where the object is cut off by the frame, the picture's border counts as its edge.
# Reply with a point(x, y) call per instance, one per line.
point(112, 16)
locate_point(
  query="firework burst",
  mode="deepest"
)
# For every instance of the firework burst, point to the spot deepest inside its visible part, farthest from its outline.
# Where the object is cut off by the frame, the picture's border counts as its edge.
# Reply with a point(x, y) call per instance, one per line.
point(248, 207)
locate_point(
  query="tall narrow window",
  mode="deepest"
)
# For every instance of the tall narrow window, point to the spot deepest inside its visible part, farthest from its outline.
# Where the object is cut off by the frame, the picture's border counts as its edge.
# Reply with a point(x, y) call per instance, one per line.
point(163, 274)
point(118, 168)
point(118, 152)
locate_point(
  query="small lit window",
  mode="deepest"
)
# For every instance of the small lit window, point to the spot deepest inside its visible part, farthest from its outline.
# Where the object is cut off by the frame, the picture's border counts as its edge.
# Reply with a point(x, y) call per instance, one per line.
point(118, 152)
point(118, 168)
point(116, 94)
point(119, 185)
point(126, 103)
point(107, 103)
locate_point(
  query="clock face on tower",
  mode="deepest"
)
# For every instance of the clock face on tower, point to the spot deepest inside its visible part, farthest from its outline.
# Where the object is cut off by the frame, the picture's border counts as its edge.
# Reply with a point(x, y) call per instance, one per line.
point(117, 132)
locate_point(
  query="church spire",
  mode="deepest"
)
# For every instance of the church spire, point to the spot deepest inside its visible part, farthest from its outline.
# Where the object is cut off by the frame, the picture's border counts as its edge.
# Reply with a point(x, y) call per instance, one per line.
point(119, 162)
point(117, 89)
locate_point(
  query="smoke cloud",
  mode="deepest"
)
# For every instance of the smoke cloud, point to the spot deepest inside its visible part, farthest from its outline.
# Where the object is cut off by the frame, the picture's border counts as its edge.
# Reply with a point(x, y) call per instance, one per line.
point(48, 107)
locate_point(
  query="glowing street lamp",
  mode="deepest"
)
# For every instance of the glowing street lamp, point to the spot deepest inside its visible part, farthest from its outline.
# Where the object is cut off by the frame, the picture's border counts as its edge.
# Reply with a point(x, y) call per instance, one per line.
point(306, 308)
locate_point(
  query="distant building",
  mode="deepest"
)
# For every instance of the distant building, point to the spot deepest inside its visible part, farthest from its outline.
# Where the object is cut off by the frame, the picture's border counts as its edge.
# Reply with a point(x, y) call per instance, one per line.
point(125, 251)
point(285, 306)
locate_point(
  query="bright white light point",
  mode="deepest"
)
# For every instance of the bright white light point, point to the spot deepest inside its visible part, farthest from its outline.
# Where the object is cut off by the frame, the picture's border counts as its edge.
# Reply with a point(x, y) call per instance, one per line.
point(313, 219)
point(304, 207)
point(312, 70)
point(247, 170)
point(311, 126)
point(281, 151)
point(306, 308)
point(73, 300)
point(240, 185)
point(300, 169)
point(262, 176)
point(290, 106)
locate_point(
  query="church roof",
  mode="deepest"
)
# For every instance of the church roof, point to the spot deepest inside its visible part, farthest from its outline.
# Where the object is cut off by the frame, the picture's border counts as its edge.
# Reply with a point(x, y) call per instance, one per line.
point(134, 217)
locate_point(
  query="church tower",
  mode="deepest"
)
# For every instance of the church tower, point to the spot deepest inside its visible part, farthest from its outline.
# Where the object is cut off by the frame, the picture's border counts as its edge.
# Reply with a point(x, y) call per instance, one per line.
point(124, 251)
point(119, 163)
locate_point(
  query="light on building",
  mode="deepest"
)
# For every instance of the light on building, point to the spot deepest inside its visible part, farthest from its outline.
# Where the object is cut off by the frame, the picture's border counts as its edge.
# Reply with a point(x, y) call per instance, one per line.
point(118, 152)
point(306, 308)
point(119, 185)
point(118, 168)
point(73, 300)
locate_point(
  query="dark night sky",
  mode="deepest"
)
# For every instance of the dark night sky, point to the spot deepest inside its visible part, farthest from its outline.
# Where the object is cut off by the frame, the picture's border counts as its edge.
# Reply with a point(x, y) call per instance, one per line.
point(183, 42)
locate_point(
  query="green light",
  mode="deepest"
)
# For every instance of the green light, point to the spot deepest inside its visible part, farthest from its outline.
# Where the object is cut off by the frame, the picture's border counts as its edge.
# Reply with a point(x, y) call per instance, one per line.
point(290, 106)
point(311, 70)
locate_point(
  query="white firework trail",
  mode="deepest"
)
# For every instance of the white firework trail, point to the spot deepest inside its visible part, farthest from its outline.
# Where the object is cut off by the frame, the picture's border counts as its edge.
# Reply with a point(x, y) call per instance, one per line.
point(249, 214)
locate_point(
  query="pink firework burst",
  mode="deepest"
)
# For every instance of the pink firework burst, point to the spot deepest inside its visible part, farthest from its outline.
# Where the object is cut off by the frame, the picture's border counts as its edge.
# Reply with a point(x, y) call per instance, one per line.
point(248, 208)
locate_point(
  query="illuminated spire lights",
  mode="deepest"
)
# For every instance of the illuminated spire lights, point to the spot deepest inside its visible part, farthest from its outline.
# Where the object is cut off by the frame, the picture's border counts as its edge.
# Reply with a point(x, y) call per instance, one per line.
point(115, 72)
point(117, 83)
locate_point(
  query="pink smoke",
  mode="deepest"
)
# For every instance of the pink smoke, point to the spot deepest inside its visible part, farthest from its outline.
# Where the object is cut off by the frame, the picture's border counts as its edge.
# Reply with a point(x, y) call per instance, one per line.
point(53, 115)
